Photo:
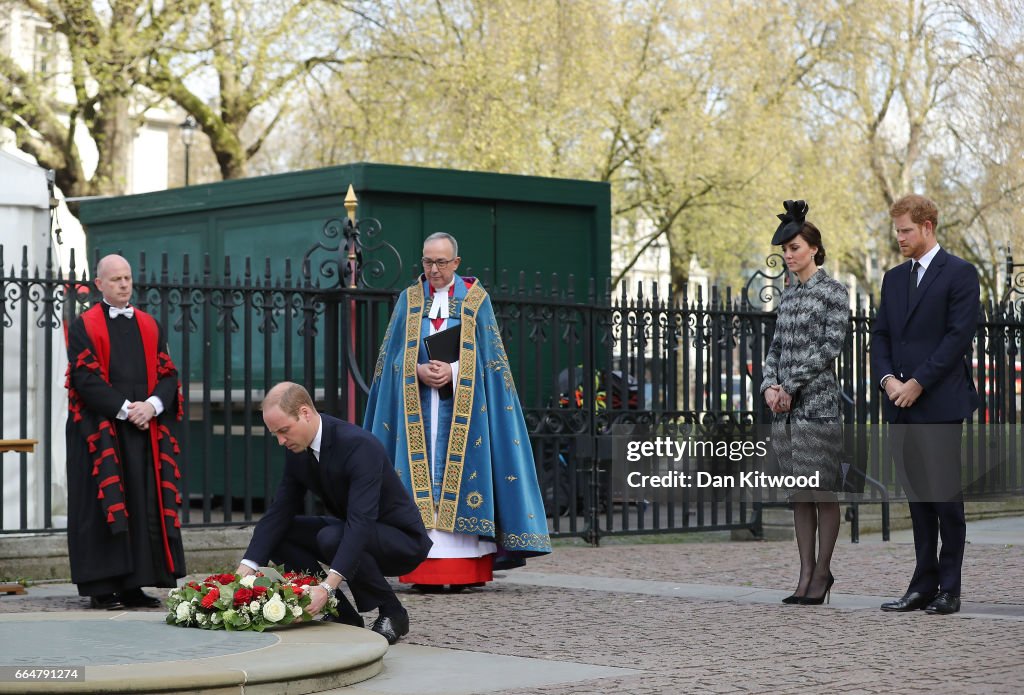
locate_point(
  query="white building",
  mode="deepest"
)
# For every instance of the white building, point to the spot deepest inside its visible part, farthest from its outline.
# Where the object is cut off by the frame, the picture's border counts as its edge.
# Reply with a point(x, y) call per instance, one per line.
point(652, 265)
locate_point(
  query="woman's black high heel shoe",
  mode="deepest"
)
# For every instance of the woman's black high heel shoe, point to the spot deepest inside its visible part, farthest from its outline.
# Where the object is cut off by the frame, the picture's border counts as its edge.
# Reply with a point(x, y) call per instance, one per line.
point(793, 598)
point(809, 601)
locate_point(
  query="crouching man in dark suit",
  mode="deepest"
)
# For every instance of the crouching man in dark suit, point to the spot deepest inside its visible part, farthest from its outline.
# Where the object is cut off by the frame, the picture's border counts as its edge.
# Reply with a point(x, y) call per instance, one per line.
point(920, 344)
point(372, 530)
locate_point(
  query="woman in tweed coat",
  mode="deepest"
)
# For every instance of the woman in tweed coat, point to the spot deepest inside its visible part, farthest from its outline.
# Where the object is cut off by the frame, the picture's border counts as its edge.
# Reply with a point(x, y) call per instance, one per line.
point(801, 389)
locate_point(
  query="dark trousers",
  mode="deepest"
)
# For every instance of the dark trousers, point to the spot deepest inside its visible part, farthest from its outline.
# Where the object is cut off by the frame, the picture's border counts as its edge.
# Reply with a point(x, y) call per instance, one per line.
point(928, 458)
point(388, 552)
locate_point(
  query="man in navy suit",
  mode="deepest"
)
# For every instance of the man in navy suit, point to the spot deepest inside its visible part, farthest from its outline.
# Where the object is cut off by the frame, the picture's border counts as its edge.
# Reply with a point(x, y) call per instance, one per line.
point(920, 344)
point(373, 528)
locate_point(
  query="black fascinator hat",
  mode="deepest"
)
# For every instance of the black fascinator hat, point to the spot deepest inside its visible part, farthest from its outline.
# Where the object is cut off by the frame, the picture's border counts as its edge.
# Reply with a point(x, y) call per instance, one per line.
point(792, 221)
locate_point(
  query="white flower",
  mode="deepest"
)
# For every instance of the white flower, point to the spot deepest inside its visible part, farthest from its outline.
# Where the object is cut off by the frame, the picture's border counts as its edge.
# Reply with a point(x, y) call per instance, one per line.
point(201, 619)
point(215, 619)
point(332, 602)
point(173, 593)
point(297, 611)
point(183, 612)
point(254, 606)
point(248, 581)
point(275, 609)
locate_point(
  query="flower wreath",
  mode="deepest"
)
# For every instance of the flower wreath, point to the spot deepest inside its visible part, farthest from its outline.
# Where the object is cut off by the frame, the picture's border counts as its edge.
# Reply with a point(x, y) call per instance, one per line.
point(253, 602)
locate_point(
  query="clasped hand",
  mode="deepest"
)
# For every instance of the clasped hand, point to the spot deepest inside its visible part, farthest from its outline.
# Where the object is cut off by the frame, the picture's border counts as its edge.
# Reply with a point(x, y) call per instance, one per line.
point(434, 373)
point(777, 399)
point(903, 394)
point(140, 413)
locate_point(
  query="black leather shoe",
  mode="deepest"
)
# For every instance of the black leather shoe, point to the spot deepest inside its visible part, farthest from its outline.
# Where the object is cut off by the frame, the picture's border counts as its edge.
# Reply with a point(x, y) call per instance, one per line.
point(106, 602)
point(391, 627)
point(137, 598)
point(912, 601)
point(945, 603)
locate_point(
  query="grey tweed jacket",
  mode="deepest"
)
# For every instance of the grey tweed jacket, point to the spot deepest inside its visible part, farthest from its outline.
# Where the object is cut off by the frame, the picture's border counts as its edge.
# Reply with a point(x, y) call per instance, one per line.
point(810, 330)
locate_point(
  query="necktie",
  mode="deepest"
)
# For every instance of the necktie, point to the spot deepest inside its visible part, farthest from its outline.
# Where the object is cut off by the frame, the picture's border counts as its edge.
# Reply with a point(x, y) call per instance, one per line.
point(912, 288)
point(127, 312)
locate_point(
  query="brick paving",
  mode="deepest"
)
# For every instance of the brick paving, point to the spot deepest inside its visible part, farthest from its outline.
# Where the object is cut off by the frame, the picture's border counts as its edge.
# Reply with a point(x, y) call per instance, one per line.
point(699, 646)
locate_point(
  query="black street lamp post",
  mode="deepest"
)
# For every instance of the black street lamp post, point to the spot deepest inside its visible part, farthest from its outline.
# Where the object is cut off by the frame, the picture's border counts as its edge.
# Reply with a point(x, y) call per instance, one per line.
point(188, 134)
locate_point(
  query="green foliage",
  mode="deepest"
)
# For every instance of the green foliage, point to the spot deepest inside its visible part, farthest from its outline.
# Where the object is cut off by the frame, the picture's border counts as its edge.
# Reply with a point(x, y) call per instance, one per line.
point(703, 117)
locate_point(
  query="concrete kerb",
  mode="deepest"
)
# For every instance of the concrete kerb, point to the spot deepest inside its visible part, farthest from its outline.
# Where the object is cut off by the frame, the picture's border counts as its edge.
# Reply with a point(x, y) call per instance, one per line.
point(44, 556)
point(777, 522)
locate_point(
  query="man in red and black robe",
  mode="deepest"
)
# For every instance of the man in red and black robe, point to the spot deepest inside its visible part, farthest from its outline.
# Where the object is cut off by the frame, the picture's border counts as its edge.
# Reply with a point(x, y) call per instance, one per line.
point(124, 532)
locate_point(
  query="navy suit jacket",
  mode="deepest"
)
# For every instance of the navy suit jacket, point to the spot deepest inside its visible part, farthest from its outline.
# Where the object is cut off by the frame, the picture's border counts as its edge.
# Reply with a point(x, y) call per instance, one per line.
point(357, 484)
point(930, 340)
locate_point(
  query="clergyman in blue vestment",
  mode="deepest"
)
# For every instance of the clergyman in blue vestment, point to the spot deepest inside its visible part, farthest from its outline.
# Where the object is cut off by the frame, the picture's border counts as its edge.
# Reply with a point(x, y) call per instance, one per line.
point(466, 460)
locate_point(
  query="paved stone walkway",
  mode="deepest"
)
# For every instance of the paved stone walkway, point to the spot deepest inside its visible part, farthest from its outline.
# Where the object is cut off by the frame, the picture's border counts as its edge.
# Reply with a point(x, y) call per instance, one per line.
point(704, 618)
point(693, 645)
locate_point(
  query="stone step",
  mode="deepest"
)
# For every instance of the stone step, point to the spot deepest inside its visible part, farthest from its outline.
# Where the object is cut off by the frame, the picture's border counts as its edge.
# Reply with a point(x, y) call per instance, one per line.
point(139, 653)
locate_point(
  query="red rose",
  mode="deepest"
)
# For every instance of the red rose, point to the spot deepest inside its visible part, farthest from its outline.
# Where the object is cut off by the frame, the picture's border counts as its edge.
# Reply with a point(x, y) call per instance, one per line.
point(298, 590)
point(210, 597)
point(305, 581)
point(258, 591)
point(194, 585)
point(219, 579)
point(242, 597)
point(290, 575)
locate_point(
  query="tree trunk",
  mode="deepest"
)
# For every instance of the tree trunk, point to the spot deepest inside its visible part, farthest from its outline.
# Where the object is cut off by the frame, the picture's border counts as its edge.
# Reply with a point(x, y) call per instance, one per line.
point(114, 134)
point(679, 264)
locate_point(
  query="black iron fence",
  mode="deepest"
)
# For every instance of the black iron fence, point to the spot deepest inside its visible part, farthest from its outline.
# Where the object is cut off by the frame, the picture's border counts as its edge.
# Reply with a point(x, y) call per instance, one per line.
point(591, 372)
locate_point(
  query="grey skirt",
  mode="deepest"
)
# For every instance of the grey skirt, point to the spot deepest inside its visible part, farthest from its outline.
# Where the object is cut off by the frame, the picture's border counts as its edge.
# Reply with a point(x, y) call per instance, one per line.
point(805, 446)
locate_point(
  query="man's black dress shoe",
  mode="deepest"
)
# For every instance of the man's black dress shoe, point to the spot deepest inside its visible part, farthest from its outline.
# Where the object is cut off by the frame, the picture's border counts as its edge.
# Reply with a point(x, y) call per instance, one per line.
point(391, 627)
point(912, 601)
point(106, 602)
point(945, 603)
point(137, 598)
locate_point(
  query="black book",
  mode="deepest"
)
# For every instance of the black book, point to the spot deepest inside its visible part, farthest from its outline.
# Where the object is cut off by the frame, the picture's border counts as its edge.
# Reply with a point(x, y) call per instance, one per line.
point(445, 347)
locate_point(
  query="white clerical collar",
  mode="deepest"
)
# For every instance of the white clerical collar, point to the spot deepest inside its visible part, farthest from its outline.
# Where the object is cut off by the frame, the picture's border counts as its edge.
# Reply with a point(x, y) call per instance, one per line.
point(439, 305)
point(315, 444)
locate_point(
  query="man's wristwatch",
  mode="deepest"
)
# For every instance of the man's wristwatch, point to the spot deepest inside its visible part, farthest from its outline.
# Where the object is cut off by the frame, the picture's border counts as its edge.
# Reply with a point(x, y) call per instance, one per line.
point(328, 588)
